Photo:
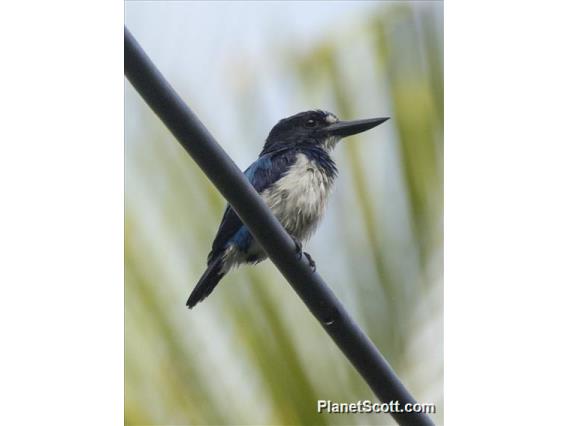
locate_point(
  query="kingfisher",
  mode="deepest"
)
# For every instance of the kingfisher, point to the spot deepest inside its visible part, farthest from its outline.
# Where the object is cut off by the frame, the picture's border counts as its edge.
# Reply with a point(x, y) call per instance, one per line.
point(294, 175)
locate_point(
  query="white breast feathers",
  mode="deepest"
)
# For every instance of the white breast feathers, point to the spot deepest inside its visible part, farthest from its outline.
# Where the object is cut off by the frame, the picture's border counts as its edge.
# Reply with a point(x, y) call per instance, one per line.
point(298, 198)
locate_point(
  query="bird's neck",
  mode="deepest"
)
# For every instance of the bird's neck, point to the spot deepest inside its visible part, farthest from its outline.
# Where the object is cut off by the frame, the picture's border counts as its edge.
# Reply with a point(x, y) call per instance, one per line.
point(320, 155)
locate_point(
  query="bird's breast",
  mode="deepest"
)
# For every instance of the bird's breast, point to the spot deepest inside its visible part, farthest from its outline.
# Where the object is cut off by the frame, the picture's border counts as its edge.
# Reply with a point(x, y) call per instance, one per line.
point(299, 197)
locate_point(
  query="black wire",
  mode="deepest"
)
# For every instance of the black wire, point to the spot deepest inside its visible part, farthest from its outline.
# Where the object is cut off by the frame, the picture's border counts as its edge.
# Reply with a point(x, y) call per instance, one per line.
point(266, 229)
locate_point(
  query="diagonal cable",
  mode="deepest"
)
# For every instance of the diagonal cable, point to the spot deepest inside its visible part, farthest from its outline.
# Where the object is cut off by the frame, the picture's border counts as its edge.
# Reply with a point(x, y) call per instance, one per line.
point(266, 229)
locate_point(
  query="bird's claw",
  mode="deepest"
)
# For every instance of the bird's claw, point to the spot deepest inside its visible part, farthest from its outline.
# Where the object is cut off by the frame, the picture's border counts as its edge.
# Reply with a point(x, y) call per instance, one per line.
point(311, 262)
point(299, 253)
point(298, 247)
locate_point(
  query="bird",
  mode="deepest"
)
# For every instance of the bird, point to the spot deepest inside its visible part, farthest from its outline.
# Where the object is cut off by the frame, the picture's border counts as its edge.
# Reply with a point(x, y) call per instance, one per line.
point(294, 175)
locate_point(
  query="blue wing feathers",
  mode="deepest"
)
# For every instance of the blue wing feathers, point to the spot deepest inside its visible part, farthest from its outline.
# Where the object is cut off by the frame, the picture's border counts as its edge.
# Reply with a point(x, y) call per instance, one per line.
point(261, 174)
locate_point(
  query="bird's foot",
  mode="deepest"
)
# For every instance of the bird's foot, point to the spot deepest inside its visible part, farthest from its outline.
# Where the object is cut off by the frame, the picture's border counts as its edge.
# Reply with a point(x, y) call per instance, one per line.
point(298, 247)
point(299, 252)
point(311, 262)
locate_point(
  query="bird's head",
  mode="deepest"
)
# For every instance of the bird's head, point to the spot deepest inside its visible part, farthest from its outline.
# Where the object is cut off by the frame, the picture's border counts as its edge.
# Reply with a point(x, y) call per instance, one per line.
point(315, 127)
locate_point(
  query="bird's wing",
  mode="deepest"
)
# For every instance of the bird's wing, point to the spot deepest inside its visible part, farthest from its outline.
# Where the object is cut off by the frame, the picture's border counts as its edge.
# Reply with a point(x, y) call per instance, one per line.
point(261, 174)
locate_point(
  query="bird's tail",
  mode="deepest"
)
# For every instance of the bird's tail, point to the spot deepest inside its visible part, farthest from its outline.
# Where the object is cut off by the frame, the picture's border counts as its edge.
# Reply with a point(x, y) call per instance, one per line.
point(207, 282)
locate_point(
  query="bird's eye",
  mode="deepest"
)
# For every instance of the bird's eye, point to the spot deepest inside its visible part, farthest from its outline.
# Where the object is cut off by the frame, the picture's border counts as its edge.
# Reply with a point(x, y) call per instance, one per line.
point(310, 123)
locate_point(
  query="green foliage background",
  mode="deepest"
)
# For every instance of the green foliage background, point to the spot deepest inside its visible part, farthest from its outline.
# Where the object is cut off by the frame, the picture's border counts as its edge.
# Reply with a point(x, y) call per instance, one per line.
point(252, 354)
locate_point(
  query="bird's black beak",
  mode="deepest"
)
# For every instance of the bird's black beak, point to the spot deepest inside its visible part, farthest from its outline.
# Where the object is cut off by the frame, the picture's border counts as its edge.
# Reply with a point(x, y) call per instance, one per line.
point(348, 128)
